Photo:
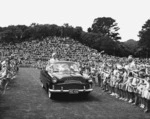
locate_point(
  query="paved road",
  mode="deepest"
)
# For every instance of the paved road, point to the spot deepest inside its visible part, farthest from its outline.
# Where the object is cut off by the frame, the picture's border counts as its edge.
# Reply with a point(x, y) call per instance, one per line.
point(27, 100)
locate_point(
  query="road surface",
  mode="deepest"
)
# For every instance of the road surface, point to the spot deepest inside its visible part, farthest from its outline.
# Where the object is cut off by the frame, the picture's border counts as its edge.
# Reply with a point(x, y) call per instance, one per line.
point(27, 100)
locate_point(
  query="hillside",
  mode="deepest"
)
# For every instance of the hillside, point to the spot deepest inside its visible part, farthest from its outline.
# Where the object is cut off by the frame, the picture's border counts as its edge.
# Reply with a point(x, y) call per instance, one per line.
point(131, 45)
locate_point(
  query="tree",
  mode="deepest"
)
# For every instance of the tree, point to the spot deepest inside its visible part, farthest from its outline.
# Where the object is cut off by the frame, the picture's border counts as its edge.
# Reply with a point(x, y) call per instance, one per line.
point(89, 30)
point(67, 30)
point(144, 42)
point(144, 35)
point(13, 33)
point(77, 31)
point(105, 26)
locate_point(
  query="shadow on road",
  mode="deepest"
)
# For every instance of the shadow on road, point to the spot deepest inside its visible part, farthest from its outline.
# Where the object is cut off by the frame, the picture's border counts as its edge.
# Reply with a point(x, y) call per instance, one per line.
point(75, 98)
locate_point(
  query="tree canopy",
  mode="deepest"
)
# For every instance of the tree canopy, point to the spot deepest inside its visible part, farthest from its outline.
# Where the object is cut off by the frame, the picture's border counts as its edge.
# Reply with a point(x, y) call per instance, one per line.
point(105, 26)
point(102, 35)
point(144, 34)
point(144, 42)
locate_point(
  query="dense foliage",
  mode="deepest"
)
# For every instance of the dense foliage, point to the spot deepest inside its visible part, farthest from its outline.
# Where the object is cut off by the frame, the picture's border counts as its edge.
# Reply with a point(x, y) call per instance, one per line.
point(102, 35)
point(144, 42)
point(105, 26)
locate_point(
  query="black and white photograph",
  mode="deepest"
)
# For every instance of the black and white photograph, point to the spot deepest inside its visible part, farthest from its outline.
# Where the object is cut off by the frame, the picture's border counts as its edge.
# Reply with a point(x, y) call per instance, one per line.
point(74, 59)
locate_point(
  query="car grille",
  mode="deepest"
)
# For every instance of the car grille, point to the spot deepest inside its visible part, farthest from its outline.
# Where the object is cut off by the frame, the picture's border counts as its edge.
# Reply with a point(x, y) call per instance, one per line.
point(71, 86)
point(73, 81)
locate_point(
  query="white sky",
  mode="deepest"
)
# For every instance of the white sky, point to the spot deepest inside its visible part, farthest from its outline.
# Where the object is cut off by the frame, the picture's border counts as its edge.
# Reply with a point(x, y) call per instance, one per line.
point(129, 14)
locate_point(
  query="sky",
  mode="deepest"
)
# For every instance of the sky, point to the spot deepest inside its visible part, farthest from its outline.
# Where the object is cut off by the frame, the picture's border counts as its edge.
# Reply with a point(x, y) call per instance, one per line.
point(129, 14)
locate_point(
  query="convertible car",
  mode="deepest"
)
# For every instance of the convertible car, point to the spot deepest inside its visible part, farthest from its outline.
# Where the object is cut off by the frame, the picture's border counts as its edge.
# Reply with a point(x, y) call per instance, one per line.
point(64, 77)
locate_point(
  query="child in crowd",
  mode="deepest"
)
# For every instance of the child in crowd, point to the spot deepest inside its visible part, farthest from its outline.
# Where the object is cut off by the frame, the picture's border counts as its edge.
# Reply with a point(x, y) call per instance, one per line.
point(140, 88)
point(113, 80)
point(123, 85)
point(130, 88)
point(147, 95)
point(135, 83)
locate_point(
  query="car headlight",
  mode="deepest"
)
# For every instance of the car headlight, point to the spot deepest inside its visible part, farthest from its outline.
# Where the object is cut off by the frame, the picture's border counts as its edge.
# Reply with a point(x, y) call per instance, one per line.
point(54, 80)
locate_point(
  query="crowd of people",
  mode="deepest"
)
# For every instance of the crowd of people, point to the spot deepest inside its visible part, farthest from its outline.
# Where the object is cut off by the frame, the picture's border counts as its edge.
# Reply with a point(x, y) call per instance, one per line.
point(8, 70)
point(126, 78)
point(36, 53)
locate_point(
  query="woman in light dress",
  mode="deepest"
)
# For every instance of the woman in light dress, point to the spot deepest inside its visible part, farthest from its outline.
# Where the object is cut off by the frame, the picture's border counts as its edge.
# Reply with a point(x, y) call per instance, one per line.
point(146, 95)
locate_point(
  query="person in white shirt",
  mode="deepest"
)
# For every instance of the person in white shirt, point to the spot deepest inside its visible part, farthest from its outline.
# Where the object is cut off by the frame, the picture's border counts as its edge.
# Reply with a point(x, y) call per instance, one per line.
point(3, 77)
point(147, 95)
point(53, 58)
point(51, 61)
point(131, 64)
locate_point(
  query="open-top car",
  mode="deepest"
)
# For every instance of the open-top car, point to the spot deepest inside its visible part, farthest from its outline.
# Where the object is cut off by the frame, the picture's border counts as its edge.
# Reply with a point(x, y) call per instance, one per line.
point(65, 77)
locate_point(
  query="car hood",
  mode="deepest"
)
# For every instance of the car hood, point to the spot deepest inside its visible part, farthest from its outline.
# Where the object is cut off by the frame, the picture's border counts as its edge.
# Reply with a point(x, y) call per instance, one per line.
point(66, 75)
point(62, 77)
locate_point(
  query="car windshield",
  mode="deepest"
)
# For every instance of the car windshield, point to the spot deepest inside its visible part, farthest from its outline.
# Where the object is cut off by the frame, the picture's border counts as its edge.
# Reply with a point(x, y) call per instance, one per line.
point(65, 67)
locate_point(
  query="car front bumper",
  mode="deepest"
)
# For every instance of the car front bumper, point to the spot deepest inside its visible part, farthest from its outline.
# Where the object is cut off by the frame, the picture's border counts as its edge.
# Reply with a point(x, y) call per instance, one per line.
point(67, 91)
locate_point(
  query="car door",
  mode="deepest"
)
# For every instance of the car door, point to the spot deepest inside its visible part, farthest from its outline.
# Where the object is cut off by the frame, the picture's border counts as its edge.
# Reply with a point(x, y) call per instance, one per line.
point(46, 77)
